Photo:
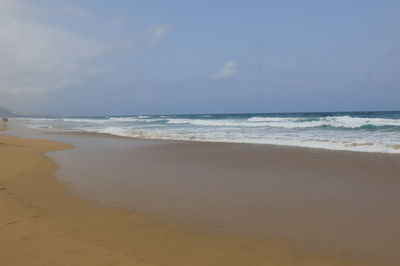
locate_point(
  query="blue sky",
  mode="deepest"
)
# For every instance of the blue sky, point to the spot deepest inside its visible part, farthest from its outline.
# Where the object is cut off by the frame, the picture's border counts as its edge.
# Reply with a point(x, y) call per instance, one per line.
point(163, 57)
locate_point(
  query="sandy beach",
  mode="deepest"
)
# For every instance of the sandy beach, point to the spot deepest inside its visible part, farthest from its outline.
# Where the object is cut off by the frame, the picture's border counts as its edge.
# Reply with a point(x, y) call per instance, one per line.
point(48, 220)
point(204, 133)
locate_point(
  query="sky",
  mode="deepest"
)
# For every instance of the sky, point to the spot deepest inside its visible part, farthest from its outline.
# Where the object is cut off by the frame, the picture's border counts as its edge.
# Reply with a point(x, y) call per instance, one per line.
point(182, 57)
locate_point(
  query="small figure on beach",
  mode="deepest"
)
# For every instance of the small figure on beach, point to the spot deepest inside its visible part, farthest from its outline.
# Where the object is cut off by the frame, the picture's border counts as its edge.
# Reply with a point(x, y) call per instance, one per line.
point(5, 119)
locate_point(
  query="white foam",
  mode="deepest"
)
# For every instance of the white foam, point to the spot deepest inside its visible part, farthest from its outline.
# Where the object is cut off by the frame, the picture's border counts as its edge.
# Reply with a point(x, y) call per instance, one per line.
point(288, 131)
point(330, 144)
point(333, 121)
point(272, 119)
point(85, 120)
point(355, 122)
point(135, 119)
point(276, 123)
point(124, 119)
point(285, 122)
point(37, 119)
point(216, 122)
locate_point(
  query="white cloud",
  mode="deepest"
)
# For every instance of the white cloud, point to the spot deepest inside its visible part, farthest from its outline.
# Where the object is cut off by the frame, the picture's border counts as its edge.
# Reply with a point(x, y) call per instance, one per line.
point(101, 70)
point(228, 70)
point(156, 34)
point(148, 39)
point(36, 56)
point(77, 11)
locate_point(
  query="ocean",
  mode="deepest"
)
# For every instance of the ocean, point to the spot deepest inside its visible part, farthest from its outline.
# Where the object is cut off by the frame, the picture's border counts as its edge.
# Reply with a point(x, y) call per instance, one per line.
point(351, 131)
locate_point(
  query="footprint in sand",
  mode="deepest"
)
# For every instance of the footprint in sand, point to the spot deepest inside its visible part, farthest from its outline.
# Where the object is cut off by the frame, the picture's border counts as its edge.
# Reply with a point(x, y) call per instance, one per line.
point(12, 222)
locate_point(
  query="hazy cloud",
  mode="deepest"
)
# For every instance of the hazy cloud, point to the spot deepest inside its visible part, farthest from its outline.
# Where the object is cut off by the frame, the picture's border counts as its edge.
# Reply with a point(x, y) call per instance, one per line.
point(77, 11)
point(101, 70)
point(146, 40)
point(36, 56)
point(156, 34)
point(228, 70)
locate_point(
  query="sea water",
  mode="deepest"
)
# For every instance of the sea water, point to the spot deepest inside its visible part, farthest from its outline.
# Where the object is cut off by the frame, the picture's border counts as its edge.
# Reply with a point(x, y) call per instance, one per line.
point(353, 131)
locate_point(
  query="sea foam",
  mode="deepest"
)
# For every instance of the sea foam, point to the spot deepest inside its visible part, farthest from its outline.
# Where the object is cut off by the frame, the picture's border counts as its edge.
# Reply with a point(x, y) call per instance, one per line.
point(365, 132)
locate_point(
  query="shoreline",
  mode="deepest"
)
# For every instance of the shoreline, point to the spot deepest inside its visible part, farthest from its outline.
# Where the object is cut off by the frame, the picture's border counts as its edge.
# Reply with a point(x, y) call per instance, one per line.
point(26, 183)
point(278, 146)
point(72, 230)
point(374, 133)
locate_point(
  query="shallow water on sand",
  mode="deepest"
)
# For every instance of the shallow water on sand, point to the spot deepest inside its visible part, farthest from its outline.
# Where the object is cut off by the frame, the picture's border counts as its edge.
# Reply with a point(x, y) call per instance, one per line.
point(331, 201)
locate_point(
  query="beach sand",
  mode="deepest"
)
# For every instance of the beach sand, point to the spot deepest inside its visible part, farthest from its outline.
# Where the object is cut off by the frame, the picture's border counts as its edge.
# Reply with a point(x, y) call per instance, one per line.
point(42, 223)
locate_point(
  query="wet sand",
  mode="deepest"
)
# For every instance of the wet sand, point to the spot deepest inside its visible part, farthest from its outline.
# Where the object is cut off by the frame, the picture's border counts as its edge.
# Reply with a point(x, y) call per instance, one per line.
point(181, 203)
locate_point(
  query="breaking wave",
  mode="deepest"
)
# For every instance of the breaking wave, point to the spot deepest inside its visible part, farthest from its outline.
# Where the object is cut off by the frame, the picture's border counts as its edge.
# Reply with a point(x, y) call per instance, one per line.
point(366, 132)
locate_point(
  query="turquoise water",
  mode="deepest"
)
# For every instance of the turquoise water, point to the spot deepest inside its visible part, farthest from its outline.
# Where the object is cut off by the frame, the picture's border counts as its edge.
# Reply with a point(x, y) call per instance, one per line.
point(355, 131)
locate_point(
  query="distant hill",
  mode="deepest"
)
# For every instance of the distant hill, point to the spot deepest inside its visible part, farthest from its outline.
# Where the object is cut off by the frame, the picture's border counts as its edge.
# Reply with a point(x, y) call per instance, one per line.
point(11, 113)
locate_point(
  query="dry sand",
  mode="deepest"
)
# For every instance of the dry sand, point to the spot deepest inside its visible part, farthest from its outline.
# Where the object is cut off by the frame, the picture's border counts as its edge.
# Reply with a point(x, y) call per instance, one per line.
point(42, 224)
